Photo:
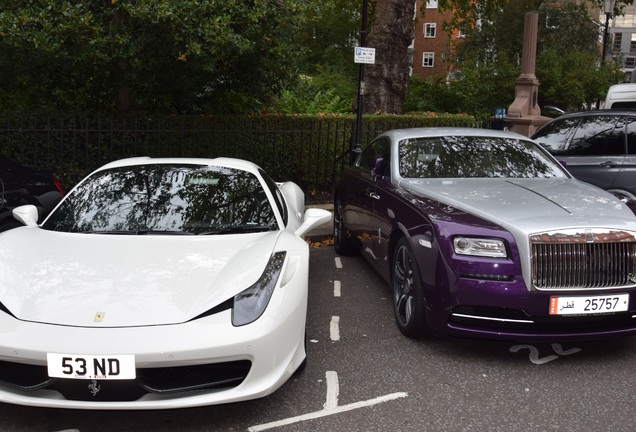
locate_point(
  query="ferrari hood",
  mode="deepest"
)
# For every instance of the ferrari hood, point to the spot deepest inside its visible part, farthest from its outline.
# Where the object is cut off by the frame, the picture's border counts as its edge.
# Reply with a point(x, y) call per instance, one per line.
point(528, 205)
point(121, 280)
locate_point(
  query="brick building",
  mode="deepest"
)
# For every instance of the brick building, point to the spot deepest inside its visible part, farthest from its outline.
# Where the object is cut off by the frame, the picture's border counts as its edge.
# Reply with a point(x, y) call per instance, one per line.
point(431, 44)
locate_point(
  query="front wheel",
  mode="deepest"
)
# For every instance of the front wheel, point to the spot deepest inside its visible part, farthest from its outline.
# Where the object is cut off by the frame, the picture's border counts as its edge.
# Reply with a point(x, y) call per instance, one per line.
point(408, 296)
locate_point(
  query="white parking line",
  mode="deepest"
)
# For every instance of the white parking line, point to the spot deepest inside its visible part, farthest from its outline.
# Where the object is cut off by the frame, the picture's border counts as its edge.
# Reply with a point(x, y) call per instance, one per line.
point(336, 288)
point(338, 262)
point(334, 328)
point(331, 405)
point(333, 390)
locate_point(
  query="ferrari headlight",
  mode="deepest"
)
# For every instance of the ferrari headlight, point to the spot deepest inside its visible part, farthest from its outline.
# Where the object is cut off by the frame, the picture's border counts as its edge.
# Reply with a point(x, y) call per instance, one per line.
point(250, 304)
point(479, 247)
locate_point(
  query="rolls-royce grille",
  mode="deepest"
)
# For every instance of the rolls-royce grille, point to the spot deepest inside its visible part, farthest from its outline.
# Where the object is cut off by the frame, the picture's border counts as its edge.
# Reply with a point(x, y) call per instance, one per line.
point(583, 261)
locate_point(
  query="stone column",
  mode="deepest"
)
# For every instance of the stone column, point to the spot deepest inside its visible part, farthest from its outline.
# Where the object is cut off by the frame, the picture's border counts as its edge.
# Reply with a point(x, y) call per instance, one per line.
point(524, 115)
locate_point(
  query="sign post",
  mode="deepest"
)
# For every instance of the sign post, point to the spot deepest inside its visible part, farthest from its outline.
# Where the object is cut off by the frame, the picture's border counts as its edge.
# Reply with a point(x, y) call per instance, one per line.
point(362, 55)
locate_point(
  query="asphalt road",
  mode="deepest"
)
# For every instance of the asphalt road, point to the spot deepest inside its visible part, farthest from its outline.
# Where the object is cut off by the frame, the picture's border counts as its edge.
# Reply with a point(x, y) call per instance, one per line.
point(363, 375)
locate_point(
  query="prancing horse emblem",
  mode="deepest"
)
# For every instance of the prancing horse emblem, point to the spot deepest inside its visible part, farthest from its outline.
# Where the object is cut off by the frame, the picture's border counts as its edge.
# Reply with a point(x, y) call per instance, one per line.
point(94, 387)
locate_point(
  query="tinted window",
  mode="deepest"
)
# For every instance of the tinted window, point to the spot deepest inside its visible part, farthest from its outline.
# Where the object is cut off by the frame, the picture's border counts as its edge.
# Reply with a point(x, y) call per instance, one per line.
point(474, 157)
point(625, 104)
point(380, 148)
point(594, 136)
point(165, 198)
point(554, 135)
point(631, 135)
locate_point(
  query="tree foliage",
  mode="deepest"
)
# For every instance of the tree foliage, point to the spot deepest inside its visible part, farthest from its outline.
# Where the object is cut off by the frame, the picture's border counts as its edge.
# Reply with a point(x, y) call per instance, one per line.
point(568, 63)
point(167, 56)
point(328, 80)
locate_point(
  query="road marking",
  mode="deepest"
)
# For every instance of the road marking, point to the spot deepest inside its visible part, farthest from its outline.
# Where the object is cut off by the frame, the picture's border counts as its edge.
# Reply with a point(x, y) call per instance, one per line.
point(336, 288)
point(331, 405)
point(333, 390)
point(559, 350)
point(338, 262)
point(334, 328)
point(534, 353)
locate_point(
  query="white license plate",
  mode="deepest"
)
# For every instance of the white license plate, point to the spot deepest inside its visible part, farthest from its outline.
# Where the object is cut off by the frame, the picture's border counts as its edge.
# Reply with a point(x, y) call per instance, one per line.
point(589, 305)
point(73, 366)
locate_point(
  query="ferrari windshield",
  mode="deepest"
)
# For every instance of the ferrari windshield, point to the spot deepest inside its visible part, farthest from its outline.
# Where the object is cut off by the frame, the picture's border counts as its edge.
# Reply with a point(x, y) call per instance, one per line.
point(173, 199)
point(475, 157)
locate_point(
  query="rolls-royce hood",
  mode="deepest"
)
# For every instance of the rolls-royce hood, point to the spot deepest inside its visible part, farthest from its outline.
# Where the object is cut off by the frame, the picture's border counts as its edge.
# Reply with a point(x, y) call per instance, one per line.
point(527, 206)
point(120, 280)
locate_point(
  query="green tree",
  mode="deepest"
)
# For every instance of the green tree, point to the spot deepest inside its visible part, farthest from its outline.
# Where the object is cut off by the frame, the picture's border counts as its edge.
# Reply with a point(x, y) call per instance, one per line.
point(328, 80)
point(568, 54)
point(157, 56)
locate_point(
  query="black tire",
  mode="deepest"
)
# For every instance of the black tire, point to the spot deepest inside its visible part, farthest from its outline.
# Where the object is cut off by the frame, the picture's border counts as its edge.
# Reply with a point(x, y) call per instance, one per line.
point(407, 293)
point(342, 241)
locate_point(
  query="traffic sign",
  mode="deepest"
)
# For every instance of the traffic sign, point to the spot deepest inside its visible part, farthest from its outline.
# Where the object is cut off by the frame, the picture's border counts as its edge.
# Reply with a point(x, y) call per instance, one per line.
point(364, 55)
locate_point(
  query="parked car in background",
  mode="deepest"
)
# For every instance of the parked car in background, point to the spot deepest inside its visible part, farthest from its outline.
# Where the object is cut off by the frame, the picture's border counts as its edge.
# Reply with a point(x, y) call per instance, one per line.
point(551, 111)
point(621, 96)
point(598, 147)
point(156, 283)
point(483, 233)
point(21, 185)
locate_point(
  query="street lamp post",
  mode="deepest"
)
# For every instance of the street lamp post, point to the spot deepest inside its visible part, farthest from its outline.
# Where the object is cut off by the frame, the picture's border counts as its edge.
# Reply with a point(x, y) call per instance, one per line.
point(608, 9)
point(357, 139)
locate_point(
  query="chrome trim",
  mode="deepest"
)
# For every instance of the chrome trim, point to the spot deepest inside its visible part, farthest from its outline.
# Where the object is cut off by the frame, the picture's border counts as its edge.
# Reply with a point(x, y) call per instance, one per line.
point(492, 319)
point(583, 259)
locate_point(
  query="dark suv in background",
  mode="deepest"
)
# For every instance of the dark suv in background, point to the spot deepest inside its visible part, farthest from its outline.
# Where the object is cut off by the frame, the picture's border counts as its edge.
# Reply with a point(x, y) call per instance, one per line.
point(598, 147)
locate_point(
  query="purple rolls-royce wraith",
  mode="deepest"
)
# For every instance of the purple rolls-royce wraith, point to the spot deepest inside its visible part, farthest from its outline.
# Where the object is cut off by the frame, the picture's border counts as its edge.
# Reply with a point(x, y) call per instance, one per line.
point(483, 233)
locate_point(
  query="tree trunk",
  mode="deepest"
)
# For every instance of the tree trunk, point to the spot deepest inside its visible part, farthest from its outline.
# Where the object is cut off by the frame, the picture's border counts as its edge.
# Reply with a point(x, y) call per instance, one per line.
point(386, 82)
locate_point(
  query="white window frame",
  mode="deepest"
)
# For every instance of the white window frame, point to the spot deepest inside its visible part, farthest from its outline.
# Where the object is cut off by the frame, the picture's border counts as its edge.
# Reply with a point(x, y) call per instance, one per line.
point(431, 4)
point(428, 59)
point(430, 30)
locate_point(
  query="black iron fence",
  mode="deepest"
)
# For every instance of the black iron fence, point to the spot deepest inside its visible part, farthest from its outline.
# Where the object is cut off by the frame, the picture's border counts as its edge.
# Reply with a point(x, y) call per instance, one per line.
point(305, 149)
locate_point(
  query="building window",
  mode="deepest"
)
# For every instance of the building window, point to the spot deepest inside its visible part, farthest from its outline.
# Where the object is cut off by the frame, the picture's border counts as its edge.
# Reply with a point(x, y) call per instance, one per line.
point(429, 30)
point(630, 62)
point(431, 4)
point(618, 41)
point(460, 34)
point(428, 59)
point(632, 45)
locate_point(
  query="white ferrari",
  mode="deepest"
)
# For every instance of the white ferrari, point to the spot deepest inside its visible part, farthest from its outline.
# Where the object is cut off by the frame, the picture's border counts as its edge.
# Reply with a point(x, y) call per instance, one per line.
point(156, 283)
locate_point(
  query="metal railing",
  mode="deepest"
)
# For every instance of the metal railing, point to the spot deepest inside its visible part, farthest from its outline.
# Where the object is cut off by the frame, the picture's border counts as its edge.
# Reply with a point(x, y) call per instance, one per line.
point(303, 149)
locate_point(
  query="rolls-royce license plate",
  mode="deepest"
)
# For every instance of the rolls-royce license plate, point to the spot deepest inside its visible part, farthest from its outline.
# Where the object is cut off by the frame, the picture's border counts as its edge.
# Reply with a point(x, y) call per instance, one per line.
point(581, 305)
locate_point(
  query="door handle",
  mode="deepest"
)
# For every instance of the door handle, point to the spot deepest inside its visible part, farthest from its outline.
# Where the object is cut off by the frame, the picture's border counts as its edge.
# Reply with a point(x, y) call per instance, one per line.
point(373, 195)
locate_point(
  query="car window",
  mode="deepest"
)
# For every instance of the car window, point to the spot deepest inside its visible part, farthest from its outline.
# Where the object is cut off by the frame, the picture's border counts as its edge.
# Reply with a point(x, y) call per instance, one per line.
point(380, 148)
point(630, 131)
point(595, 136)
point(475, 157)
point(554, 135)
point(159, 198)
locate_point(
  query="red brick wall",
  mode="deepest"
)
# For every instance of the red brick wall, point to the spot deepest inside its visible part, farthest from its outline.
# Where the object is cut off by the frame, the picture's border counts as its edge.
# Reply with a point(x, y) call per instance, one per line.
point(439, 45)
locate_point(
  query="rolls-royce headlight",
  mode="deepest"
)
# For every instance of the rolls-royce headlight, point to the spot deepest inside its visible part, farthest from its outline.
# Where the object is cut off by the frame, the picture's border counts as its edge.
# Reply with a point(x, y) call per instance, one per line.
point(479, 247)
point(250, 304)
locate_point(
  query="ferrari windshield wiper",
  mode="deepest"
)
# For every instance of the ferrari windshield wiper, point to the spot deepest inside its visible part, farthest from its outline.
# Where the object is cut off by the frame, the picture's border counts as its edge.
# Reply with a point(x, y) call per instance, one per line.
point(138, 232)
point(238, 229)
